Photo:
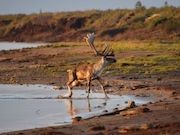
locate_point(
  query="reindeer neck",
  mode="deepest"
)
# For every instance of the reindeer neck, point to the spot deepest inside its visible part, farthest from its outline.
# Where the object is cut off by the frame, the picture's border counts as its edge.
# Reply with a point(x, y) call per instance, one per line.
point(99, 66)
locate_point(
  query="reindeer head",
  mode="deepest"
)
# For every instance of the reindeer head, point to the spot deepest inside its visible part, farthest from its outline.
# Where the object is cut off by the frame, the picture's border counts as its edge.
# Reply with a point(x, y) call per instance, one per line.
point(107, 53)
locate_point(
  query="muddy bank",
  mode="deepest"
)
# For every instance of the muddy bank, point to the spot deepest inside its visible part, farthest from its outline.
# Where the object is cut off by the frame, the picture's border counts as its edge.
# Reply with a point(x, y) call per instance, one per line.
point(161, 117)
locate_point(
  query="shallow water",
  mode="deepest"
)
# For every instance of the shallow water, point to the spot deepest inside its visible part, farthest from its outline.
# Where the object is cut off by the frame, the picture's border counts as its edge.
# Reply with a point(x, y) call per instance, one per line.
point(32, 106)
point(17, 45)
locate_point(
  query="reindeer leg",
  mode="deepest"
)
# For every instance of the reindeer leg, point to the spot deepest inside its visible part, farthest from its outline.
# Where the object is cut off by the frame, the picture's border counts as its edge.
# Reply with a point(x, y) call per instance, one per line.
point(69, 94)
point(71, 82)
point(89, 87)
point(70, 86)
point(102, 87)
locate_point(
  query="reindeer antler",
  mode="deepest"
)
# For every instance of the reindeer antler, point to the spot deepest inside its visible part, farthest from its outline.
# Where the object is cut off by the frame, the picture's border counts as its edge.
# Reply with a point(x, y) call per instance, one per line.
point(90, 41)
point(107, 51)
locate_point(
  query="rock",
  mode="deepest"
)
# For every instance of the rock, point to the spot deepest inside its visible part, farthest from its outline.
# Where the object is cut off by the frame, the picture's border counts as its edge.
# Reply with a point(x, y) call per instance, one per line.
point(131, 104)
point(145, 109)
point(147, 126)
point(140, 86)
point(107, 85)
point(148, 55)
point(173, 93)
point(160, 100)
point(98, 106)
point(13, 80)
point(150, 102)
point(133, 88)
point(96, 128)
point(105, 111)
point(2, 59)
point(134, 111)
point(159, 79)
point(122, 131)
point(128, 112)
point(34, 66)
point(58, 87)
point(144, 126)
point(115, 109)
point(125, 64)
point(126, 88)
point(77, 119)
point(130, 127)
point(136, 127)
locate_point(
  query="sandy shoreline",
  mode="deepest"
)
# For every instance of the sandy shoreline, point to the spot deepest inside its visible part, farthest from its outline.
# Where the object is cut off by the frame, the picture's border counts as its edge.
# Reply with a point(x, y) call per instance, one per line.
point(160, 117)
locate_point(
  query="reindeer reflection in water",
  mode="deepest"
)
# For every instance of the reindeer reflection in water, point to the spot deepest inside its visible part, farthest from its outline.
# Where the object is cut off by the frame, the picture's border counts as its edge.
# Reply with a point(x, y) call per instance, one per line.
point(89, 72)
point(73, 110)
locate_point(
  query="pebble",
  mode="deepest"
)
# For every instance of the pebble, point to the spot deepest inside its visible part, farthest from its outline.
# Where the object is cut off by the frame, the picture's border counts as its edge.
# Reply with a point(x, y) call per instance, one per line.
point(57, 87)
point(144, 126)
point(115, 109)
point(77, 119)
point(128, 112)
point(131, 104)
point(96, 128)
point(122, 131)
point(105, 111)
point(145, 109)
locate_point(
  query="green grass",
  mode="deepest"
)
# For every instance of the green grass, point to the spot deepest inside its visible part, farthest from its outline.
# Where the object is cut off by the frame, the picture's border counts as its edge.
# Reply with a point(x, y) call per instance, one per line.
point(158, 58)
point(148, 65)
point(144, 46)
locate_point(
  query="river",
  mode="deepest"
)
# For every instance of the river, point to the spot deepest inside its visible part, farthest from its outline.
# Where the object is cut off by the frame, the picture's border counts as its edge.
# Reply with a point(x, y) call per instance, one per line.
point(17, 45)
point(33, 106)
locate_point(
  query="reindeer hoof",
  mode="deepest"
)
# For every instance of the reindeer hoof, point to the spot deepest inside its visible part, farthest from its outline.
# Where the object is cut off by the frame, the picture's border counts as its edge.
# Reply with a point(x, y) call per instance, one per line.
point(60, 97)
point(63, 97)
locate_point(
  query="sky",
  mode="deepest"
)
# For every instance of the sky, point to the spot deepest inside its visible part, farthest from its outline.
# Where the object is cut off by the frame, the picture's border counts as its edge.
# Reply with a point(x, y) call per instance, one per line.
point(34, 6)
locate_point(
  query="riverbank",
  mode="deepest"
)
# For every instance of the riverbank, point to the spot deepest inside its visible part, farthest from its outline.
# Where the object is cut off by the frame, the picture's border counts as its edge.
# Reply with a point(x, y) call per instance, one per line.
point(161, 117)
point(140, 70)
point(160, 24)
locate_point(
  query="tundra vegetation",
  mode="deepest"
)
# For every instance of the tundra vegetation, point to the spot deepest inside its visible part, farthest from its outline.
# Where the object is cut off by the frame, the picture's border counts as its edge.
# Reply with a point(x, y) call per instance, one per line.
point(121, 24)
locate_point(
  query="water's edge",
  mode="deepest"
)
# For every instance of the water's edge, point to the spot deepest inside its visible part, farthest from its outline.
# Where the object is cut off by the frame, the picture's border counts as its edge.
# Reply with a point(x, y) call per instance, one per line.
point(18, 45)
point(43, 108)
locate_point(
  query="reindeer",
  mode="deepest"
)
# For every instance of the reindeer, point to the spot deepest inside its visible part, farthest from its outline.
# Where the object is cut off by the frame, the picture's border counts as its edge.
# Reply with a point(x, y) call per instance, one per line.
point(89, 72)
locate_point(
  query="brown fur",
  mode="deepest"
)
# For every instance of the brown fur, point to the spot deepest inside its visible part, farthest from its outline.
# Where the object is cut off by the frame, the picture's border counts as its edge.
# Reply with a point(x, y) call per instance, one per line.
point(89, 72)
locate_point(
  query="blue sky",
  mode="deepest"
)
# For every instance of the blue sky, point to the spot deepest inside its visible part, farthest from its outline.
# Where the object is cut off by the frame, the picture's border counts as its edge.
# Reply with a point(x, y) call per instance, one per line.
point(34, 6)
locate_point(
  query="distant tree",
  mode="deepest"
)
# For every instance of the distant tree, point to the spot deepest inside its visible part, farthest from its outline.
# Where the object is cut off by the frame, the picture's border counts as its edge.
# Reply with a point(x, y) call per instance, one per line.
point(40, 11)
point(166, 4)
point(138, 5)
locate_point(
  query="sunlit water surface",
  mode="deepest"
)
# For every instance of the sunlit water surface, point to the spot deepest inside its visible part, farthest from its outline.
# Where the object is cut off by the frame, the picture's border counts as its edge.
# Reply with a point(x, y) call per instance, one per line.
point(33, 106)
point(17, 45)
